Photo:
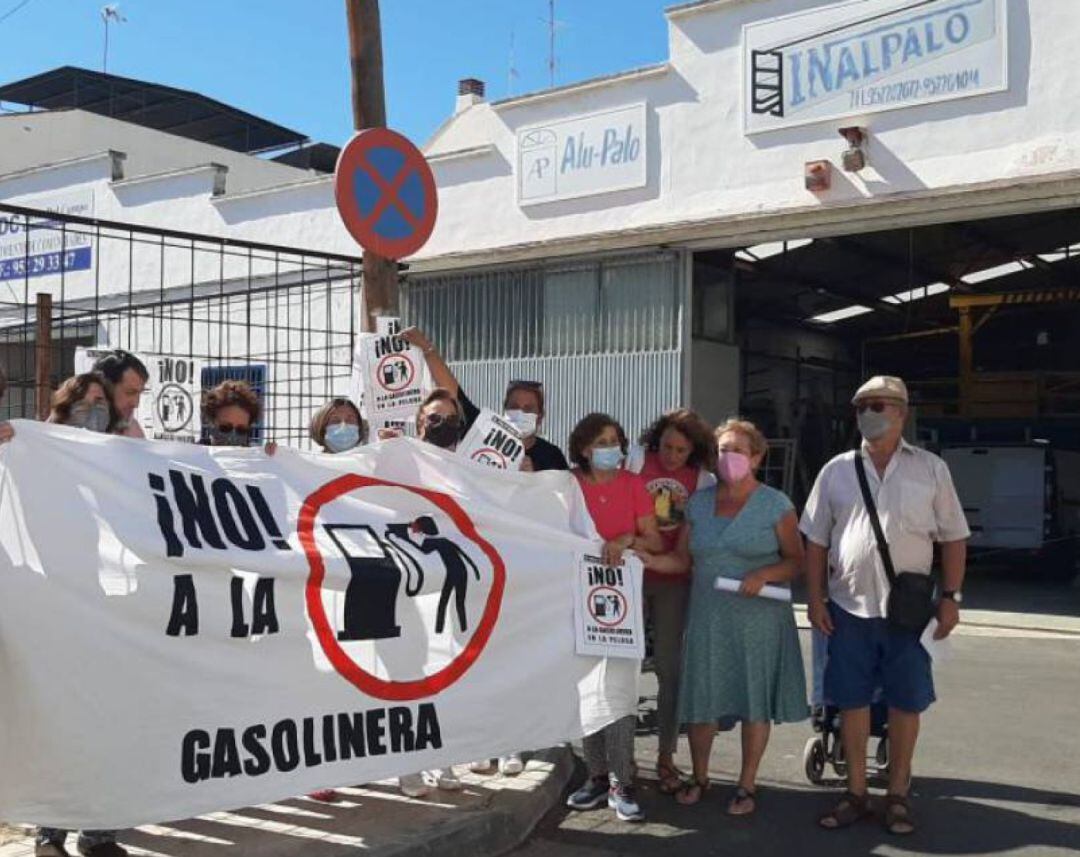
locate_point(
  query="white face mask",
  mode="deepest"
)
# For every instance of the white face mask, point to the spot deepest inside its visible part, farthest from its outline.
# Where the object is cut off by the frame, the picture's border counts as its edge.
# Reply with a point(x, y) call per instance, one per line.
point(873, 425)
point(523, 421)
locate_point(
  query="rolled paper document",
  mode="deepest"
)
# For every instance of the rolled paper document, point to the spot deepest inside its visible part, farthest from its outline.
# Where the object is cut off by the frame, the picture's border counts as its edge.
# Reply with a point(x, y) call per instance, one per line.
point(777, 593)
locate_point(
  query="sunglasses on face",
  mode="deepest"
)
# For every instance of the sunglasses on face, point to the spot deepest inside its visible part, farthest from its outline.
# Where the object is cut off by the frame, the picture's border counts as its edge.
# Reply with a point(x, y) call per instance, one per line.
point(229, 428)
point(876, 407)
point(433, 420)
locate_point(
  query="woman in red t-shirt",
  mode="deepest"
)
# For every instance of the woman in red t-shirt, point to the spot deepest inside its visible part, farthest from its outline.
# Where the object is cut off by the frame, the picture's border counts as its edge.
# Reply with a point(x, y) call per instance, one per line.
point(622, 511)
point(677, 456)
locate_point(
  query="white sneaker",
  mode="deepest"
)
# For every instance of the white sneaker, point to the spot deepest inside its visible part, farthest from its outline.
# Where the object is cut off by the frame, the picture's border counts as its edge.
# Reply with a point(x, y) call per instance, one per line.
point(482, 767)
point(413, 785)
point(443, 778)
point(511, 765)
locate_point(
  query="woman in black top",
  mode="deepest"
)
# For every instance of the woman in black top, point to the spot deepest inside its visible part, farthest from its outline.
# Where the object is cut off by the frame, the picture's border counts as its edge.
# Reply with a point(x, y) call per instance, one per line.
point(523, 405)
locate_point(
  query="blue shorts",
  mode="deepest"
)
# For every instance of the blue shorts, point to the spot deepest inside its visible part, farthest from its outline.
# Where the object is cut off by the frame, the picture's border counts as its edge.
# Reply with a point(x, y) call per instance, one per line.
point(865, 655)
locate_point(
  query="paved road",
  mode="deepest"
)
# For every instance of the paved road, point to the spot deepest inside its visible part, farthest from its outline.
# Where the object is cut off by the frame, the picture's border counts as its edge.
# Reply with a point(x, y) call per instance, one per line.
point(997, 772)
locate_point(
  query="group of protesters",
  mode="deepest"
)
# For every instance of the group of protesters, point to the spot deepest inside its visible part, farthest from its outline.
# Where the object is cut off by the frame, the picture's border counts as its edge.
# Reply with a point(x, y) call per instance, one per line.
point(687, 500)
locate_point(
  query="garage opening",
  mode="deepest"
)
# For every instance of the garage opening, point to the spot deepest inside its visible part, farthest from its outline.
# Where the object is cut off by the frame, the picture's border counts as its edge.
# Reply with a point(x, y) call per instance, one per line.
point(981, 318)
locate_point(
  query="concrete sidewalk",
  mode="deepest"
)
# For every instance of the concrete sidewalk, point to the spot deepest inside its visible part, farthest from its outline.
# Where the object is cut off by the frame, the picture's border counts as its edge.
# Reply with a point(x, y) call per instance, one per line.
point(988, 622)
point(490, 815)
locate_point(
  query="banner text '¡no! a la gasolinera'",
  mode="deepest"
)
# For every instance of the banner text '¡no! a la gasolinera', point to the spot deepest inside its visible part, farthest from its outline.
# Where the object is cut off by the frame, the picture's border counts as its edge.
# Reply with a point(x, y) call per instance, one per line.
point(851, 59)
point(232, 629)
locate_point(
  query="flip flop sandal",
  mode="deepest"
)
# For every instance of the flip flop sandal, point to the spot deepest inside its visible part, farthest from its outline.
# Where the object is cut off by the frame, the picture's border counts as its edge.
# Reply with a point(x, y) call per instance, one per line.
point(669, 779)
point(851, 808)
point(898, 819)
point(741, 796)
point(694, 787)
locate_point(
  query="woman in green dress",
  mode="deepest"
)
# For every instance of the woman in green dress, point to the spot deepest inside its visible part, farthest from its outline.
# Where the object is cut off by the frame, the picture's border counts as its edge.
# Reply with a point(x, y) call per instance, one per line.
point(742, 659)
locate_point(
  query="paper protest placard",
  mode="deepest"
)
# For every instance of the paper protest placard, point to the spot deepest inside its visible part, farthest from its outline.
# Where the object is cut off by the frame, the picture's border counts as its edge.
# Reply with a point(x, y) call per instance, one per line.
point(388, 377)
point(607, 609)
point(171, 403)
point(494, 442)
point(387, 325)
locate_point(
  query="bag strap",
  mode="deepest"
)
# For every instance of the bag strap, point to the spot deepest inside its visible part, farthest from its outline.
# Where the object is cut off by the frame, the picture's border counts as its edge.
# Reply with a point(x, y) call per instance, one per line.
point(875, 522)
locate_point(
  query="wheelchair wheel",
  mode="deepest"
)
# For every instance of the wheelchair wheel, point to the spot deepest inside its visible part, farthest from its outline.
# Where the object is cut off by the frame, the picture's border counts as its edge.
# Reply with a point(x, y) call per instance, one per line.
point(814, 760)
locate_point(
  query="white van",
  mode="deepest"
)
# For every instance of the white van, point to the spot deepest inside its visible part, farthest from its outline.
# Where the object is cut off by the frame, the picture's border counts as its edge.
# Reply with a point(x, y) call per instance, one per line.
point(1021, 498)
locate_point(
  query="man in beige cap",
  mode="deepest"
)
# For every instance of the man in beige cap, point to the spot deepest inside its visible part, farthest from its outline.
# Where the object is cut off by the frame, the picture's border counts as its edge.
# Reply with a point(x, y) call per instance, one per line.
point(850, 572)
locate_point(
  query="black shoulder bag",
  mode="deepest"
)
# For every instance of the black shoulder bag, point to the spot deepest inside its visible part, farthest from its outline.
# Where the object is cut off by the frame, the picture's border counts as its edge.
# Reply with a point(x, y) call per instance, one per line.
point(911, 595)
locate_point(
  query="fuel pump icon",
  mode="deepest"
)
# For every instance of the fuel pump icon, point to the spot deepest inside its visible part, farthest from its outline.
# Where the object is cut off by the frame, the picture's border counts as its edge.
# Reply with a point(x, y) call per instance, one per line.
point(376, 569)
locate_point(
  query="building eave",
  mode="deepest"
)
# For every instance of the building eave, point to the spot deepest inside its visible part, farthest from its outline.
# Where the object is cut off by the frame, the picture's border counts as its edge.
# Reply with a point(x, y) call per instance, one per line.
point(463, 154)
point(643, 73)
point(692, 8)
point(998, 198)
point(113, 156)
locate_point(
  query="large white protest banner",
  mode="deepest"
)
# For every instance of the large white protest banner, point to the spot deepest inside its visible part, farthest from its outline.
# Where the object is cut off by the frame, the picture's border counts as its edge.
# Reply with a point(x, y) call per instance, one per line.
point(186, 629)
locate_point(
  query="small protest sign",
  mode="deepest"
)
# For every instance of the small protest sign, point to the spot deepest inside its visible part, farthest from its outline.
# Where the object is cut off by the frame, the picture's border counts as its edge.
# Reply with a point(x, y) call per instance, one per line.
point(494, 442)
point(607, 609)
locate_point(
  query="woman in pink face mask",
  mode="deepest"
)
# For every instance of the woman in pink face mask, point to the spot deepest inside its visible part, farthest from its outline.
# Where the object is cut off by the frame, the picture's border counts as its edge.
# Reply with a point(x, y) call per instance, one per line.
point(742, 660)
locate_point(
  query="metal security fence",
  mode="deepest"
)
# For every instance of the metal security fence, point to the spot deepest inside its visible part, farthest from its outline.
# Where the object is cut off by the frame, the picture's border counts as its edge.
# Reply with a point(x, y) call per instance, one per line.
point(280, 316)
point(602, 335)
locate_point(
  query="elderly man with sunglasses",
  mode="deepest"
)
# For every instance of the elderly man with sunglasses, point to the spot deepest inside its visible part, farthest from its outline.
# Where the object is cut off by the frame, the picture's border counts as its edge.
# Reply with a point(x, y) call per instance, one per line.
point(871, 531)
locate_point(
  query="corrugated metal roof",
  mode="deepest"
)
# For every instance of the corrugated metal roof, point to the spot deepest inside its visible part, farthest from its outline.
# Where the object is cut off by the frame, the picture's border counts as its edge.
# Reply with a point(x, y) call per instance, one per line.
point(152, 105)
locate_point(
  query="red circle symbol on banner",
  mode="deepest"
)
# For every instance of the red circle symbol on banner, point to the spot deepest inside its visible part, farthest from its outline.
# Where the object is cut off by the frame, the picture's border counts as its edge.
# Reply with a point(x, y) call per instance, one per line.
point(339, 659)
point(385, 193)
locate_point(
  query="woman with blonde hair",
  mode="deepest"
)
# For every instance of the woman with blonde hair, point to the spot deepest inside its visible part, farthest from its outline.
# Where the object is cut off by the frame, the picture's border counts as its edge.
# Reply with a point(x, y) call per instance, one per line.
point(742, 659)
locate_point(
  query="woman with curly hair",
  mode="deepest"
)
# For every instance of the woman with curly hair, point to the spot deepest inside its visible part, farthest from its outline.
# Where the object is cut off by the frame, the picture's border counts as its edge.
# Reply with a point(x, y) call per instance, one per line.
point(676, 458)
point(230, 411)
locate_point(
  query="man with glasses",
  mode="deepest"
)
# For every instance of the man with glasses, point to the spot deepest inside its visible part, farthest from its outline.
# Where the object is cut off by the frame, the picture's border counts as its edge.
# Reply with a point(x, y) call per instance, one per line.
point(523, 405)
point(848, 586)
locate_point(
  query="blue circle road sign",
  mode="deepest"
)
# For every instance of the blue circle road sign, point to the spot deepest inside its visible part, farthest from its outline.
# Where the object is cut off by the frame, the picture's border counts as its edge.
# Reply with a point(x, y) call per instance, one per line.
point(385, 193)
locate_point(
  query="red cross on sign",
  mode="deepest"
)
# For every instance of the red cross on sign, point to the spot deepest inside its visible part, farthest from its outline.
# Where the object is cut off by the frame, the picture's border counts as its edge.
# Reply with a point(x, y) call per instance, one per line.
point(385, 193)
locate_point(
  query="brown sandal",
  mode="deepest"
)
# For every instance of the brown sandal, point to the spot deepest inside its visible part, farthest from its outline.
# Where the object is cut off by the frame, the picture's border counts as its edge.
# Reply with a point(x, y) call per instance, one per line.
point(851, 808)
point(898, 819)
point(742, 797)
point(669, 779)
point(694, 787)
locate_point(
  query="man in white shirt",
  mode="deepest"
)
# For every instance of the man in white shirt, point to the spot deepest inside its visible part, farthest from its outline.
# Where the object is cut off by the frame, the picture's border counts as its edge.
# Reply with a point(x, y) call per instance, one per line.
point(848, 588)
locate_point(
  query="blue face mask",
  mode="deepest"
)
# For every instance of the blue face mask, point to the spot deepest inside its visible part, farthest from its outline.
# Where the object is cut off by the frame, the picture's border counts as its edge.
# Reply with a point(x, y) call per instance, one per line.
point(606, 457)
point(342, 436)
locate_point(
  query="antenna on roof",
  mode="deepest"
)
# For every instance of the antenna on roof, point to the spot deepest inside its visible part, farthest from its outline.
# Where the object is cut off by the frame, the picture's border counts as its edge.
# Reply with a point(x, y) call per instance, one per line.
point(109, 13)
point(551, 41)
point(512, 73)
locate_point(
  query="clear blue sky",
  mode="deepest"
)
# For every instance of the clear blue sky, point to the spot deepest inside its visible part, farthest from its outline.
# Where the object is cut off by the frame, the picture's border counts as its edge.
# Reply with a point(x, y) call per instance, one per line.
point(287, 60)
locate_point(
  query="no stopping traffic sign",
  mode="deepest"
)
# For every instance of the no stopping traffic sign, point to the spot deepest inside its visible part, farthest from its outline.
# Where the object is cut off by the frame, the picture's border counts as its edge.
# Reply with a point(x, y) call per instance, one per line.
point(385, 193)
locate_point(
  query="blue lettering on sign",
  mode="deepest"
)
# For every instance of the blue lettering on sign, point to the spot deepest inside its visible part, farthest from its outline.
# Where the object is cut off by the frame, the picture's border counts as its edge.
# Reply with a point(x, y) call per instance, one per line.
point(822, 68)
point(616, 146)
point(44, 264)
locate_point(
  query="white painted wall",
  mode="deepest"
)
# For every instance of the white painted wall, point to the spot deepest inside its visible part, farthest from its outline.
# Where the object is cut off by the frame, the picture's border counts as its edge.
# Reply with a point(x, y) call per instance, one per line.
point(702, 167)
point(705, 168)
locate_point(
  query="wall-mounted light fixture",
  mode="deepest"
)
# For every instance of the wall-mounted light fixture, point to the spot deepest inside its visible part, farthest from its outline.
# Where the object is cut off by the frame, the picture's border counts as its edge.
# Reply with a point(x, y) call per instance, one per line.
point(854, 158)
point(817, 175)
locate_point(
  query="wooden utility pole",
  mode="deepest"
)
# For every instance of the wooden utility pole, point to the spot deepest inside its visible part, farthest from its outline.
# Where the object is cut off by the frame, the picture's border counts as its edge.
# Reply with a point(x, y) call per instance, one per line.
point(380, 288)
point(43, 357)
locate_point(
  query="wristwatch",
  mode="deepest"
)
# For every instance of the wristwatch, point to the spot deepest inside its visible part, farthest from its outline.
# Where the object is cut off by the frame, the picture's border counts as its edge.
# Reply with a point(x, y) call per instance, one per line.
point(953, 595)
